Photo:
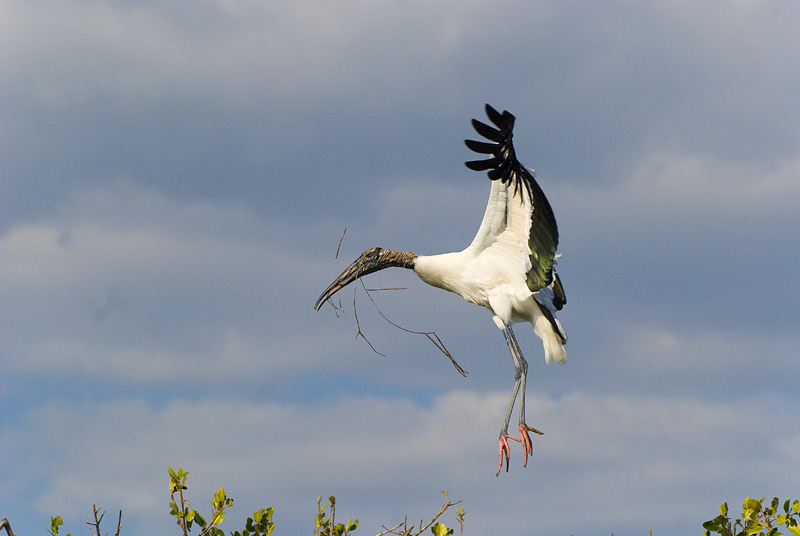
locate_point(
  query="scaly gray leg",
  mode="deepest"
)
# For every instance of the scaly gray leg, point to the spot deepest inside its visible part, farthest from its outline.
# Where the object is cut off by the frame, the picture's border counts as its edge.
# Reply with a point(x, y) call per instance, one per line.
point(521, 367)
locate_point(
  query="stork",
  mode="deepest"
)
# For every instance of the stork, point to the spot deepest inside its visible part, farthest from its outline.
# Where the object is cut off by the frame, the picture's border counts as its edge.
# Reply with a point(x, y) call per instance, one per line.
point(509, 267)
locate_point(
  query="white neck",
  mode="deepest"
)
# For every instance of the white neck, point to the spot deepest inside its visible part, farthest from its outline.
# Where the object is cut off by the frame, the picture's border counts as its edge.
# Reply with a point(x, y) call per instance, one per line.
point(446, 271)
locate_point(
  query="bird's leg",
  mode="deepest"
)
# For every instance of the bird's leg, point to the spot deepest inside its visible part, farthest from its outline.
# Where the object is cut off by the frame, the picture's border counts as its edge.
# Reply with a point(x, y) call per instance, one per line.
point(522, 373)
point(521, 367)
point(504, 449)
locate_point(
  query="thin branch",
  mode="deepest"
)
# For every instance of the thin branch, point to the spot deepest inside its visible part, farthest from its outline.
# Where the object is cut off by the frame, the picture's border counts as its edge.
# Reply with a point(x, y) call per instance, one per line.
point(96, 523)
point(461, 512)
point(409, 531)
point(119, 523)
point(391, 530)
point(4, 524)
point(431, 335)
point(340, 244)
point(184, 507)
point(355, 314)
point(339, 308)
point(447, 504)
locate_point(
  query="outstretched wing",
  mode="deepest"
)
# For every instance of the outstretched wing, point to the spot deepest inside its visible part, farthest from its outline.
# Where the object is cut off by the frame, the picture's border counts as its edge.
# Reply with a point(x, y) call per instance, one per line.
point(516, 202)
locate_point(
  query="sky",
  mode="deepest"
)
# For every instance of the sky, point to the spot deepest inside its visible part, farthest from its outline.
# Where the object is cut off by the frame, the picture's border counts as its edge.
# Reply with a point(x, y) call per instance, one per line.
point(175, 179)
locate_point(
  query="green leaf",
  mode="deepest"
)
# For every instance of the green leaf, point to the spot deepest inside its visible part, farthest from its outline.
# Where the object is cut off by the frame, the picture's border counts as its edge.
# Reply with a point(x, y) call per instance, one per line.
point(752, 504)
point(440, 529)
point(754, 529)
point(219, 497)
point(55, 522)
point(719, 525)
point(200, 520)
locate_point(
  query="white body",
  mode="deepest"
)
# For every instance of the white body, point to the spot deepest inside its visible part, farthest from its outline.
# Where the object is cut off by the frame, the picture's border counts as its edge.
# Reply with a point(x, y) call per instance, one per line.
point(492, 271)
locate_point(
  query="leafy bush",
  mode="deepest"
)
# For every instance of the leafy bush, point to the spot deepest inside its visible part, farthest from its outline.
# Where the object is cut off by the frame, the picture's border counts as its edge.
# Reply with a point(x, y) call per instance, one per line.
point(260, 524)
point(757, 518)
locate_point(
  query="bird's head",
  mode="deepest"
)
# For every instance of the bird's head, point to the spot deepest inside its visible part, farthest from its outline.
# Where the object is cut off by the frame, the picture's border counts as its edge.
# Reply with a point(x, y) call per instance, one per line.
point(372, 260)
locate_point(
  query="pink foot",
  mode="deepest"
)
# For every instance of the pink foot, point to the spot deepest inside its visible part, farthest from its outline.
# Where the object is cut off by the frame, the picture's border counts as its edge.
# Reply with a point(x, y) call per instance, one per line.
point(525, 439)
point(504, 451)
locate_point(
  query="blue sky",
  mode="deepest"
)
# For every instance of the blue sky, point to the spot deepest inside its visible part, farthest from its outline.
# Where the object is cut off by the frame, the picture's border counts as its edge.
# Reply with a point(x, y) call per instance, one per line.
point(175, 181)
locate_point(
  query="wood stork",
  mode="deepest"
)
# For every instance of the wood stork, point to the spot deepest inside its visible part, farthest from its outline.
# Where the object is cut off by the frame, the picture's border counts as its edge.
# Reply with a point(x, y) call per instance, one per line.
point(508, 268)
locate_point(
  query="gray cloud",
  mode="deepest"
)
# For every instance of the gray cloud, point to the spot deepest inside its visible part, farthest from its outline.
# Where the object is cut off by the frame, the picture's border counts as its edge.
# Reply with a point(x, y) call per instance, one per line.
point(176, 178)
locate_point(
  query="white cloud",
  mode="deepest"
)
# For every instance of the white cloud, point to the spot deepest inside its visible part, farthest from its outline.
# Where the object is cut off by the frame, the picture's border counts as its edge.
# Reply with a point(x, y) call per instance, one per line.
point(674, 192)
point(200, 290)
point(686, 455)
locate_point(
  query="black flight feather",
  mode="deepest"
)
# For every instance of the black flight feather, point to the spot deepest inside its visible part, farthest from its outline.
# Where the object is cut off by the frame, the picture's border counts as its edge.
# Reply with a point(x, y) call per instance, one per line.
point(487, 132)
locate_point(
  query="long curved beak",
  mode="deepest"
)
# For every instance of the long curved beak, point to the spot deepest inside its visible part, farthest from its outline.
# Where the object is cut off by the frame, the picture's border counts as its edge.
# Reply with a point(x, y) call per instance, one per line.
point(353, 272)
point(370, 261)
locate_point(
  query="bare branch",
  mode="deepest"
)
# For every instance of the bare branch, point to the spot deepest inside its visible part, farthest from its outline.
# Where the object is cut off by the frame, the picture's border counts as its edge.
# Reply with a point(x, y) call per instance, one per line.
point(184, 506)
point(4, 524)
point(392, 530)
point(119, 523)
point(431, 335)
point(447, 504)
point(407, 530)
point(97, 520)
point(358, 325)
point(337, 309)
point(340, 244)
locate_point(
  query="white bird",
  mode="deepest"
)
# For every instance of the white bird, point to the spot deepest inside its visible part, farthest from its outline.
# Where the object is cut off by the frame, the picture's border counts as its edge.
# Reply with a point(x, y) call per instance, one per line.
point(508, 268)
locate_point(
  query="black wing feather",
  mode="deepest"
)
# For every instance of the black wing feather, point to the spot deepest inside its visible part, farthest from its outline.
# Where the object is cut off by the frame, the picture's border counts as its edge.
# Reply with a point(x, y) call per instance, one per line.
point(481, 147)
point(488, 132)
point(481, 165)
